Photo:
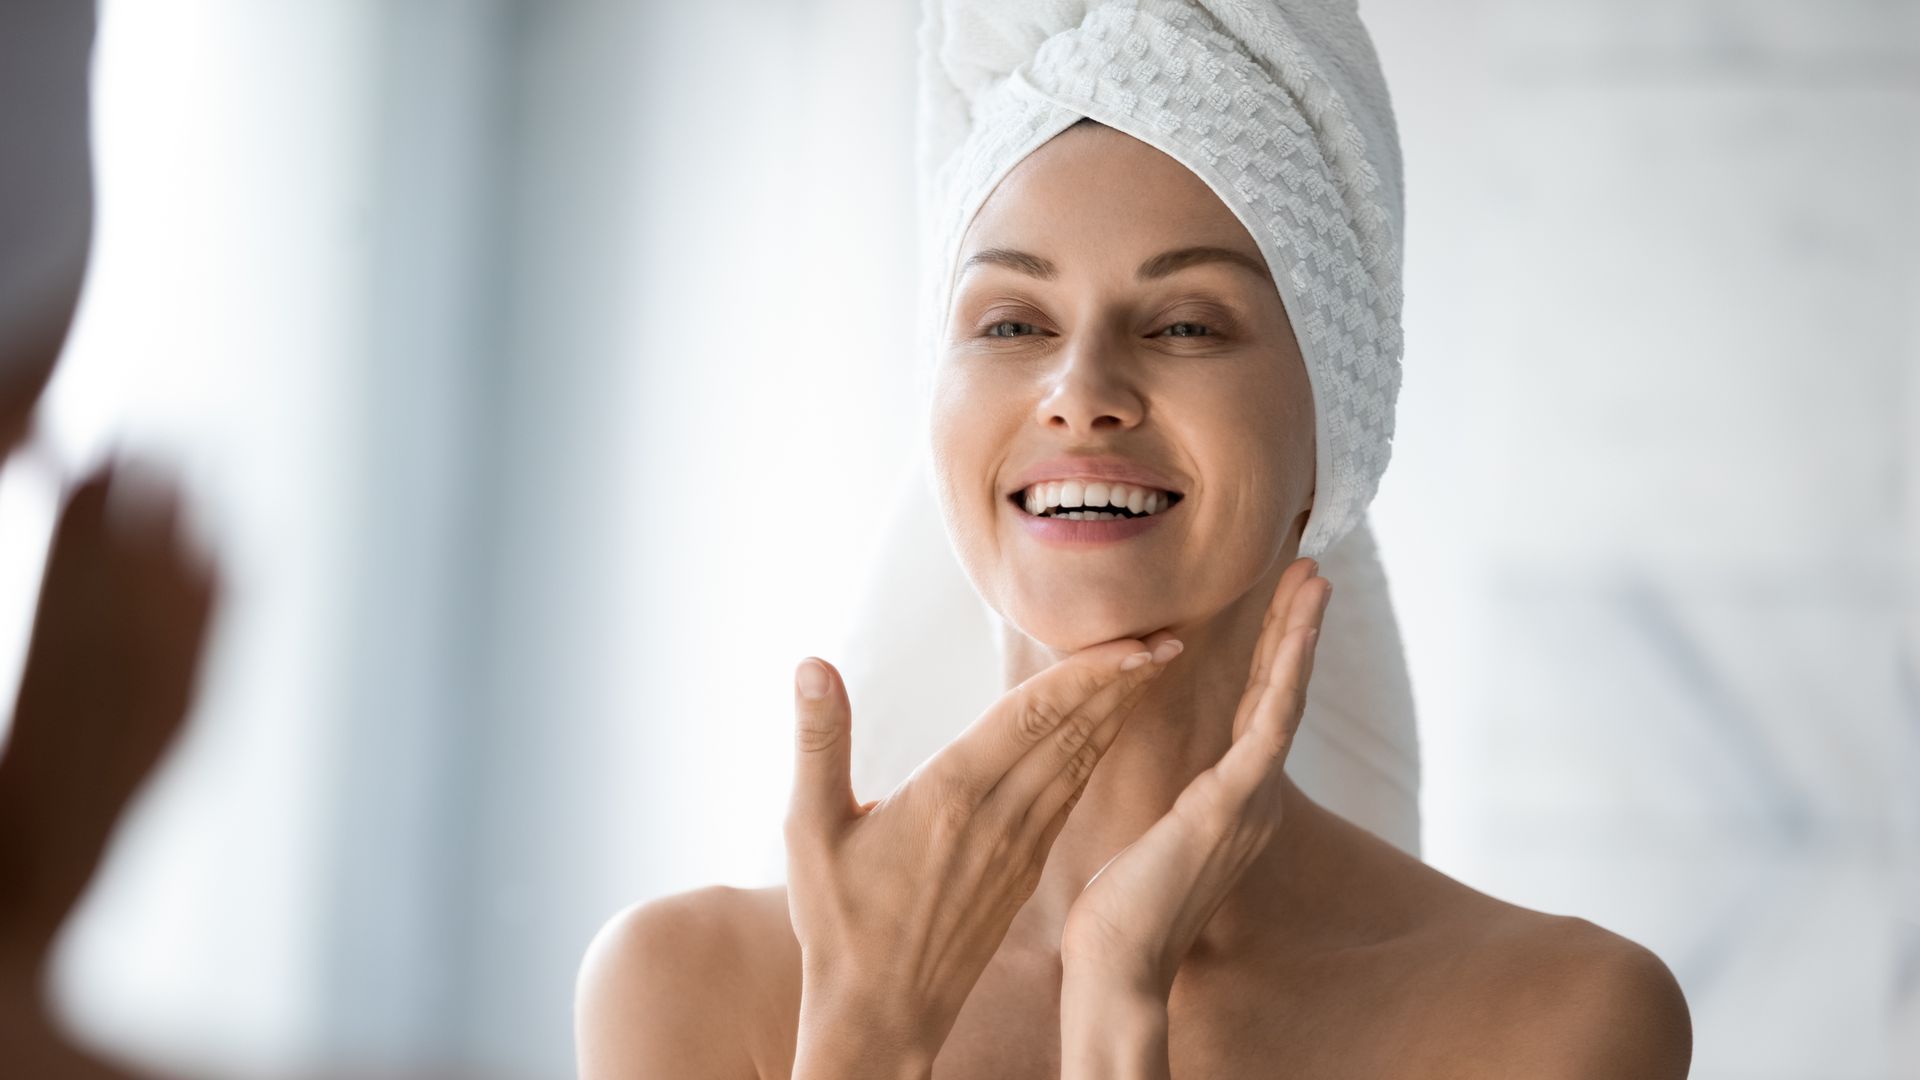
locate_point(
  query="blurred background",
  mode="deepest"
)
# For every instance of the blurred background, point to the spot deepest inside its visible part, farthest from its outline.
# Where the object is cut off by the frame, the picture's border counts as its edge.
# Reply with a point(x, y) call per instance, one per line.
point(529, 364)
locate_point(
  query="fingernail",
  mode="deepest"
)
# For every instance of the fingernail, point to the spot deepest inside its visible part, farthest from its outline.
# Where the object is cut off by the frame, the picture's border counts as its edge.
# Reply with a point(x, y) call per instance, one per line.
point(1166, 651)
point(812, 680)
point(1134, 660)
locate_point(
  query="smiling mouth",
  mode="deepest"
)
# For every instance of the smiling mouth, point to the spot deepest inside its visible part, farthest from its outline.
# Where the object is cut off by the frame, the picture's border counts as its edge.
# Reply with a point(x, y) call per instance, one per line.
point(1079, 501)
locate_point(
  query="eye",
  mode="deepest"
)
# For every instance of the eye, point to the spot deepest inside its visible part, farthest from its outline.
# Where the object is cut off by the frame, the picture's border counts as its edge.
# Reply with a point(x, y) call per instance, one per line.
point(995, 330)
point(1188, 329)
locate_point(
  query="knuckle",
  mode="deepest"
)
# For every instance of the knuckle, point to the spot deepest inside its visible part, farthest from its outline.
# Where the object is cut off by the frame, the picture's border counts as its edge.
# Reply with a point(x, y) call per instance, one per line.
point(1001, 850)
point(1210, 815)
point(1076, 731)
point(1039, 715)
point(1276, 746)
point(1080, 767)
point(1028, 881)
point(815, 733)
point(952, 811)
point(1073, 798)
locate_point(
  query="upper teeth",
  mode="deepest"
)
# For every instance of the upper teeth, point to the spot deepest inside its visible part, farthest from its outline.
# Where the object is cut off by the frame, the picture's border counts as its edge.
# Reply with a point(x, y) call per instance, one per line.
point(1095, 493)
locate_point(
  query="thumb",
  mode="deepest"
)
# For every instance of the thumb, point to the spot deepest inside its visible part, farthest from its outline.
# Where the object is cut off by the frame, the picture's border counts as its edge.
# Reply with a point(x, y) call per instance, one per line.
point(822, 746)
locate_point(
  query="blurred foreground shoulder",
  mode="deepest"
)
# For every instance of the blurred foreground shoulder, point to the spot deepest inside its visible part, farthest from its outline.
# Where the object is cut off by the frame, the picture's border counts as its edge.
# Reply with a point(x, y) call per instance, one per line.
point(664, 988)
point(1609, 1007)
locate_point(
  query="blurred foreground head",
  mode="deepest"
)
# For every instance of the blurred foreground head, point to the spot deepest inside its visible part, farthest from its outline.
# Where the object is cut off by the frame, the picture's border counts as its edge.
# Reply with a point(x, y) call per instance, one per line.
point(46, 193)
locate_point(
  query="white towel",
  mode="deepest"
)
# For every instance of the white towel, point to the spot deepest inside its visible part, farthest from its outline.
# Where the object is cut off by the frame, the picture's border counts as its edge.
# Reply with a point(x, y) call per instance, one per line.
point(1282, 110)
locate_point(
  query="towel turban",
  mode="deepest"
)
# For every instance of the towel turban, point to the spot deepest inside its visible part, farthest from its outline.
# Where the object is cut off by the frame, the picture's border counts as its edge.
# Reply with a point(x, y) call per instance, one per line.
point(1281, 109)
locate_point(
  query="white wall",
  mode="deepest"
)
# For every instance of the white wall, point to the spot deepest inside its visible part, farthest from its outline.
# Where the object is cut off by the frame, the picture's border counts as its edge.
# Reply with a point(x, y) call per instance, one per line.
point(1652, 509)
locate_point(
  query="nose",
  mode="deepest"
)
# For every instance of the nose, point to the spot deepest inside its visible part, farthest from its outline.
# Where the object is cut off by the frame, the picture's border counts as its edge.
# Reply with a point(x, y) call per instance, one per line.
point(1091, 390)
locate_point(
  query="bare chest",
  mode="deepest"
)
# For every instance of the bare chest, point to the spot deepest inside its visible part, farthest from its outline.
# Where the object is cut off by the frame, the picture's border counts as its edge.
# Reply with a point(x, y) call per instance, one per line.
point(1335, 1017)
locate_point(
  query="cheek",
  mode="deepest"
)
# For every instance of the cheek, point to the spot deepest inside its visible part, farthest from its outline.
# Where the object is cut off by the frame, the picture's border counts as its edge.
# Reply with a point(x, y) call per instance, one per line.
point(975, 403)
point(1253, 445)
point(969, 427)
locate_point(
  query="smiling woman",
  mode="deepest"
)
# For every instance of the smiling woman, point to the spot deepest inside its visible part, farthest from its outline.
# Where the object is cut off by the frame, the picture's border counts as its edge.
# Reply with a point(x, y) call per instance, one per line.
point(1192, 351)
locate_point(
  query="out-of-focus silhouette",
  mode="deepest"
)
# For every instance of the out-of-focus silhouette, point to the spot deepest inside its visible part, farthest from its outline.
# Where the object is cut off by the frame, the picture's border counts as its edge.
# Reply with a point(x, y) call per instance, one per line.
point(110, 672)
point(124, 600)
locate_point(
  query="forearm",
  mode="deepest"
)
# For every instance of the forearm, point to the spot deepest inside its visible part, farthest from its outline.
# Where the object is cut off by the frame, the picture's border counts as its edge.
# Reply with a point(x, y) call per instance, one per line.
point(1110, 1033)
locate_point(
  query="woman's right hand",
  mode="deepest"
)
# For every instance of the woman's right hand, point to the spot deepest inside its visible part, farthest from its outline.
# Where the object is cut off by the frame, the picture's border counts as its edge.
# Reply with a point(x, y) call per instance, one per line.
point(900, 903)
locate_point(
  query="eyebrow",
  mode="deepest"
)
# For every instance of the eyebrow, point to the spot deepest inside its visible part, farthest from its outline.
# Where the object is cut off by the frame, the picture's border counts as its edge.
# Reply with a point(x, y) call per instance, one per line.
point(1161, 265)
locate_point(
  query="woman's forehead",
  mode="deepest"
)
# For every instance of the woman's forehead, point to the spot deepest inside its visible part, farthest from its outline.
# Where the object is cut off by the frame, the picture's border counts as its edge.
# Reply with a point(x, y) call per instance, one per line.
point(1100, 193)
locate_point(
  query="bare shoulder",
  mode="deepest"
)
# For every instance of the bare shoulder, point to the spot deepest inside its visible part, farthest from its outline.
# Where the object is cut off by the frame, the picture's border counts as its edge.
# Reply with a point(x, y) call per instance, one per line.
point(685, 985)
point(1512, 991)
point(1562, 998)
point(1609, 1006)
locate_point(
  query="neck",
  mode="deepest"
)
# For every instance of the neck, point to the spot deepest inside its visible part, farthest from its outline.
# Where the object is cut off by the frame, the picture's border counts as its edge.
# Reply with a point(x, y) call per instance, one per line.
point(1179, 729)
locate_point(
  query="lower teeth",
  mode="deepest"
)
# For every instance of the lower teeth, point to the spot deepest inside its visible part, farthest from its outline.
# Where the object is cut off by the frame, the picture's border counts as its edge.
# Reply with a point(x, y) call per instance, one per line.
point(1081, 515)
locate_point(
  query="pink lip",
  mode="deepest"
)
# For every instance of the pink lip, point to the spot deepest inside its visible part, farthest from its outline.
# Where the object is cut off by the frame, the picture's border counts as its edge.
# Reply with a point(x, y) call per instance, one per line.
point(1070, 466)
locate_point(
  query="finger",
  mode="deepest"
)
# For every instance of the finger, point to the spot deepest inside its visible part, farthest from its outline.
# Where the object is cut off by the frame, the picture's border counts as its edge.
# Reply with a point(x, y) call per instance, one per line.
point(1289, 613)
point(1046, 775)
point(1283, 615)
point(82, 519)
point(142, 502)
point(1307, 609)
point(822, 749)
point(1261, 751)
point(1065, 791)
point(1025, 715)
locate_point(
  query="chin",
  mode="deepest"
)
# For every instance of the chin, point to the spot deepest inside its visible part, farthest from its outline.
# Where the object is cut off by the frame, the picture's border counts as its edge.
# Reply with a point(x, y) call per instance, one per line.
point(1070, 631)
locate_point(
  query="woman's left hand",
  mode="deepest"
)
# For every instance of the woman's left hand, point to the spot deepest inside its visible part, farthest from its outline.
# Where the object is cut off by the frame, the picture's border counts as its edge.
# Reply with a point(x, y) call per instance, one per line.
point(1138, 917)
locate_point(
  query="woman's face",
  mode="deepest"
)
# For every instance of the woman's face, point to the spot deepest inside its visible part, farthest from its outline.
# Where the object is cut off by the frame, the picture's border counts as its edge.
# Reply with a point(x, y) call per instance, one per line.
point(1075, 332)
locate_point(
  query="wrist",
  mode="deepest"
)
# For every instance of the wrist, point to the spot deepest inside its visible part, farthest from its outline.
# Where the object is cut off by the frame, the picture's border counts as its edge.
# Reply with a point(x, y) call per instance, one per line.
point(847, 1035)
point(1108, 974)
point(845, 1051)
point(812, 1062)
point(1111, 1028)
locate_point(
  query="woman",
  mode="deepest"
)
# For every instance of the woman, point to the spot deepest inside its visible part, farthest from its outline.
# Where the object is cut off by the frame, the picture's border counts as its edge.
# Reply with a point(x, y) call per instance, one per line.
point(1109, 873)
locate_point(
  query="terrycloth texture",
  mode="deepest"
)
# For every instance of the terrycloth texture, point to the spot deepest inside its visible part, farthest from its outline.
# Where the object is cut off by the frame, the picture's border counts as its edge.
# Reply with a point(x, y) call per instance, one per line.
point(1281, 109)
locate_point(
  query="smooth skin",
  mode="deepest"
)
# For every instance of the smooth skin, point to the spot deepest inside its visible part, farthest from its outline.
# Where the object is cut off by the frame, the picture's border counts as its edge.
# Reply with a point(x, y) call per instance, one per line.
point(1109, 874)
